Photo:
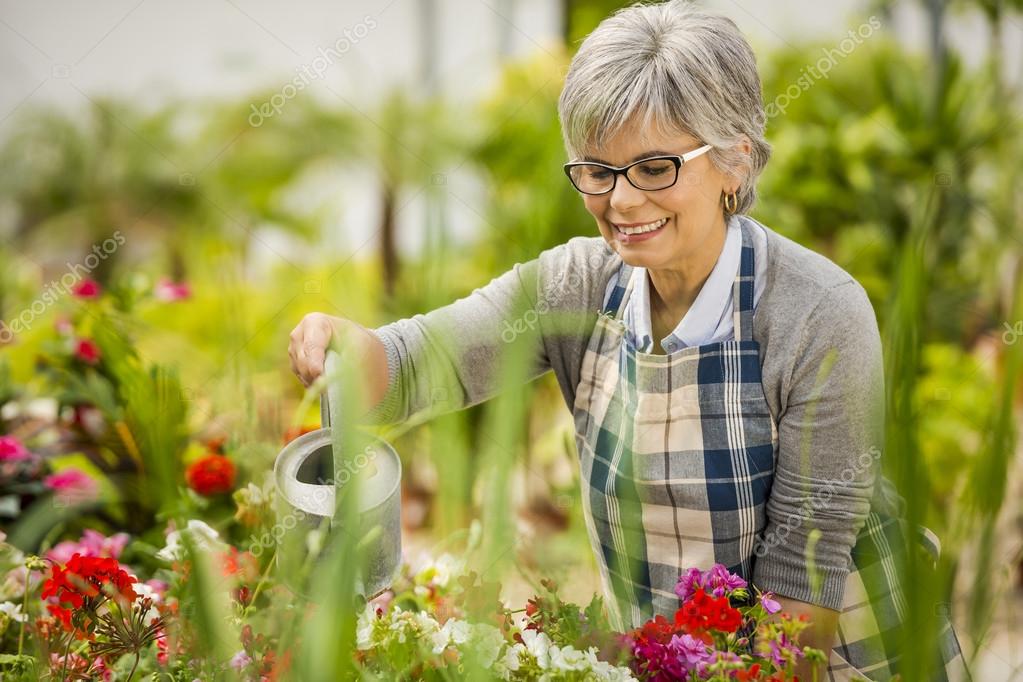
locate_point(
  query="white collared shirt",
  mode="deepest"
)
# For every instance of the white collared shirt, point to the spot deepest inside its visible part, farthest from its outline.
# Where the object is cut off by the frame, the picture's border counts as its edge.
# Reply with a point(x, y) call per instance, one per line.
point(709, 319)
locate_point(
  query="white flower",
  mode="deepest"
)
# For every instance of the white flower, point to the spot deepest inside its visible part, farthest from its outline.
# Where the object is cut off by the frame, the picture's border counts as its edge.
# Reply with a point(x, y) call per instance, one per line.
point(538, 645)
point(425, 623)
point(364, 628)
point(458, 630)
point(602, 670)
point(439, 571)
point(440, 640)
point(568, 658)
point(143, 591)
point(13, 611)
point(204, 538)
point(510, 661)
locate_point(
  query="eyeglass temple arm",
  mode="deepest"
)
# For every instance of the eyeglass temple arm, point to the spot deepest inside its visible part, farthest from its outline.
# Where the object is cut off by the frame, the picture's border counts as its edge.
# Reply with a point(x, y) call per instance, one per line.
point(696, 152)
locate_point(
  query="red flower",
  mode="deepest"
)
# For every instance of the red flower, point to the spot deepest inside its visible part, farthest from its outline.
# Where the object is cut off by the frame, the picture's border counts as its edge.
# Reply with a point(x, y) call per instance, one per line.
point(703, 612)
point(751, 675)
point(81, 586)
point(87, 288)
point(87, 351)
point(243, 565)
point(211, 475)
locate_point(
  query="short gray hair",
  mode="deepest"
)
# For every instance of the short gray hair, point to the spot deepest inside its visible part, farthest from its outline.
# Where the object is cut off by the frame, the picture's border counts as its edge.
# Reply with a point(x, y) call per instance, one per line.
point(680, 68)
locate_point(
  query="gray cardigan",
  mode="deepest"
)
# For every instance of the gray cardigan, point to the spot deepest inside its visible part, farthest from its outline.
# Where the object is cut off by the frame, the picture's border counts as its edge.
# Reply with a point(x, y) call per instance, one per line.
point(820, 353)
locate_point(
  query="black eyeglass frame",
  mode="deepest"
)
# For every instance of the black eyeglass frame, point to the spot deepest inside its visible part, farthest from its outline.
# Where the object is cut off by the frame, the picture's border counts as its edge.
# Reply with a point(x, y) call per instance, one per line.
point(677, 160)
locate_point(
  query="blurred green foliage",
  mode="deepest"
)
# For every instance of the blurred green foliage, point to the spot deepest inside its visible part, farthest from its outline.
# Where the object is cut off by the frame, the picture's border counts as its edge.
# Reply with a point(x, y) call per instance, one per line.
point(903, 174)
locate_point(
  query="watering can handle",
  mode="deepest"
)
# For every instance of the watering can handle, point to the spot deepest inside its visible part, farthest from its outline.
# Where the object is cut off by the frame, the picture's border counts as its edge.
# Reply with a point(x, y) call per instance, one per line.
point(330, 399)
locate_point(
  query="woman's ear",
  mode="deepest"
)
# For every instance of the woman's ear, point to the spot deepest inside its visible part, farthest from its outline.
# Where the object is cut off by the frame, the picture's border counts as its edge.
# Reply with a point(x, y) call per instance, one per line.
point(743, 148)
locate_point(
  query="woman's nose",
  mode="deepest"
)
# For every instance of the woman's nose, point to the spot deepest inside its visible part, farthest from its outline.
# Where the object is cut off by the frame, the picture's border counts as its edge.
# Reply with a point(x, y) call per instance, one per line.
point(625, 197)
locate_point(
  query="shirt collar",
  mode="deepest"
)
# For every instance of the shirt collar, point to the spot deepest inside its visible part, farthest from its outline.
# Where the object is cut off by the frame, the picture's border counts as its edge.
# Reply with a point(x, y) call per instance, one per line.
point(703, 317)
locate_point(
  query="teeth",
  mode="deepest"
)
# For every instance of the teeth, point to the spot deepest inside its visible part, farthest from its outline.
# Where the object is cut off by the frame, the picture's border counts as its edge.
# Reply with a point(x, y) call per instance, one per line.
point(640, 229)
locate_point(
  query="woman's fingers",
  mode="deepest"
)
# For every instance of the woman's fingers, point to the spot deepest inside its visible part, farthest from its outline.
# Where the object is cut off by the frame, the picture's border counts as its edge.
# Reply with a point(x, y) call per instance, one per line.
point(308, 346)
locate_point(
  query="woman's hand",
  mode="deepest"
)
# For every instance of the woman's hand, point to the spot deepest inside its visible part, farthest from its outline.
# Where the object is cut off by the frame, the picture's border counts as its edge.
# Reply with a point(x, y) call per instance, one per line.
point(309, 343)
point(317, 332)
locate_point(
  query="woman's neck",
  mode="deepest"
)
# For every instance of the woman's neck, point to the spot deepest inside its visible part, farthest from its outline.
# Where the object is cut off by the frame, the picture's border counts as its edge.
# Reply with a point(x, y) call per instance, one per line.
point(674, 289)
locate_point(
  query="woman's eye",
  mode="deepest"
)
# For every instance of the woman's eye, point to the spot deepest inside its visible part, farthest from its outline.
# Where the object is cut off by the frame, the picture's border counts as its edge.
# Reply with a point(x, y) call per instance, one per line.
point(653, 169)
point(599, 174)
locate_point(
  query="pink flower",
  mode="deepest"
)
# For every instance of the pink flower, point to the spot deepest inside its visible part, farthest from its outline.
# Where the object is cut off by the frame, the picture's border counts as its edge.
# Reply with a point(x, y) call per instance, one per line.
point(167, 290)
point(11, 449)
point(63, 326)
point(690, 651)
point(768, 602)
point(241, 660)
point(720, 582)
point(72, 486)
point(782, 650)
point(87, 351)
point(87, 288)
point(689, 583)
point(92, 544)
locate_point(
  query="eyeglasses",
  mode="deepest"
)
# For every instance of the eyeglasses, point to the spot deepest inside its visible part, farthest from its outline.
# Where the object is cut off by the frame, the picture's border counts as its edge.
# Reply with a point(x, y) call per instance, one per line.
point(654, 173)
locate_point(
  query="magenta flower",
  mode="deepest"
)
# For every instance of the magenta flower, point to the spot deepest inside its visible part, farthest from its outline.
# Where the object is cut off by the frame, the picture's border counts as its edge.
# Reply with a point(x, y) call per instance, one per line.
point(87, 351)
point(167, 290)
point(689, 583)
point(720, 582)
point(783, 649)
point(690, 651)
point(92, 544)
point(11, 449)
point(87, 288)
point(72, 486)
point(768, 602)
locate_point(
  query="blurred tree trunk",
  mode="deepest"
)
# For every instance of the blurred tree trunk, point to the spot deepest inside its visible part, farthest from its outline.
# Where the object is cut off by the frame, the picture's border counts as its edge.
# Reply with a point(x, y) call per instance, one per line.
point(939, 49)
point(388, 243)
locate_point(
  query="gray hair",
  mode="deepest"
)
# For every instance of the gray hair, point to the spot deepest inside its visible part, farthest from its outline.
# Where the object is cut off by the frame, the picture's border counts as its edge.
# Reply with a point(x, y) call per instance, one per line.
point(683, 69)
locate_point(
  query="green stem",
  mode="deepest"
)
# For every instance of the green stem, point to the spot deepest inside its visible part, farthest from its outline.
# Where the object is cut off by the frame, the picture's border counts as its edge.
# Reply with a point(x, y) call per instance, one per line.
point(67, 654)
point(259, 585)
point(136, 664)
point(24, 611)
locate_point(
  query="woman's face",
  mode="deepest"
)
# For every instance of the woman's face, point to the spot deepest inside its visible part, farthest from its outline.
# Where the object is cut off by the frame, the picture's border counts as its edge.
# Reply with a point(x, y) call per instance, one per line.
point(691, 208)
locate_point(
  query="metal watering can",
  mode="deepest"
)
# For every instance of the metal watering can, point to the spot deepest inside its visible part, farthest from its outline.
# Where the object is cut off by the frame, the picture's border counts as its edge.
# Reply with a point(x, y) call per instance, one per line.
point(308, 482)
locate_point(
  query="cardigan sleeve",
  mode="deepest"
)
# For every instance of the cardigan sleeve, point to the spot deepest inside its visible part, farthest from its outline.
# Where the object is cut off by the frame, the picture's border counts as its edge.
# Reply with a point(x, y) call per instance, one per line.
point(830, 439)
point(450, 357)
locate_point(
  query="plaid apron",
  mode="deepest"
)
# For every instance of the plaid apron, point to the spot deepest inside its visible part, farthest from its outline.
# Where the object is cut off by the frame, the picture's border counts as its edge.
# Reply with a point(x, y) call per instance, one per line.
point(677, 454)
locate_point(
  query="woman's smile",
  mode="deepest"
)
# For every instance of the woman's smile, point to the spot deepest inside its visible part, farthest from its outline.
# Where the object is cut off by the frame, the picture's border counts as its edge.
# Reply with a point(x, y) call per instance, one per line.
point(630, 233)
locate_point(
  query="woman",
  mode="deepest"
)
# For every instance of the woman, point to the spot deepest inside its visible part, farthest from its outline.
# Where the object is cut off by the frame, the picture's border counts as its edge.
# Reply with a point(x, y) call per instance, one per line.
point(728, 397)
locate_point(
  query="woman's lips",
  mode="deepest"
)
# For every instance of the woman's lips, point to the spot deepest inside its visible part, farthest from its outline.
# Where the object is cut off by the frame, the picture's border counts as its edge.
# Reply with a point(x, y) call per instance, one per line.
point(624, 238)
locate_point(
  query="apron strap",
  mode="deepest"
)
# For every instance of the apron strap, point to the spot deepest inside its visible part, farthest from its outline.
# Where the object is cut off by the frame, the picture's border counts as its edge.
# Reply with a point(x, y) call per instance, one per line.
point(742, 289)
point(614, 300)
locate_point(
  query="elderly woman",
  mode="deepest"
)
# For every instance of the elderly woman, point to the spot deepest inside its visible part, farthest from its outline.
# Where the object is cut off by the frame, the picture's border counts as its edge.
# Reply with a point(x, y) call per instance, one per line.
point(726, 383)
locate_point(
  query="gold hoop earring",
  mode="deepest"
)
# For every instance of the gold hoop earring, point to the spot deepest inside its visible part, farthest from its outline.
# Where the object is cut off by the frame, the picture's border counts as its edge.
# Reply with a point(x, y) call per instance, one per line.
point(731, 202)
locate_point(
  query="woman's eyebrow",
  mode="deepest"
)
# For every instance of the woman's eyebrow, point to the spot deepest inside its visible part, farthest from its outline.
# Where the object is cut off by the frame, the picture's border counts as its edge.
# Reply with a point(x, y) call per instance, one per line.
point(644, 155)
